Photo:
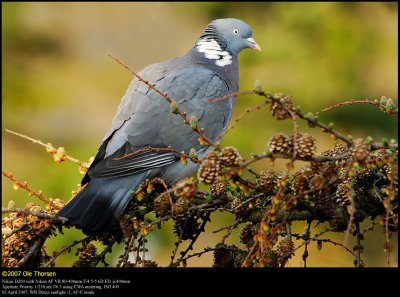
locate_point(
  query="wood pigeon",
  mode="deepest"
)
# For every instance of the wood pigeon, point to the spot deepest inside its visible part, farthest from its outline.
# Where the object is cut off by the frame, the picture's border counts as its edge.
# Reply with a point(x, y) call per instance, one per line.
point(143, 119)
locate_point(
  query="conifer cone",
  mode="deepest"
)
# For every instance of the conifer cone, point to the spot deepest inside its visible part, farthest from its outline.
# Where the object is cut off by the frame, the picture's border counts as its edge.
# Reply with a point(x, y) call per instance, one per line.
point(186, 188)
point(87, 256)
point(247, 233)
point(187, 227)
point(161, 205)
point(223, 256)
point(279, 111)
point(148, 263)
point(230, 157)
point(219, 189)
point(55, 205)
point(342, 193)
point(301, 181)
point(280, 144)
point(359, 150)
point(318, 182)
point(304, 145)
point(338, 149)
point(181, 206)
point(235, 206)
point(285, 251)
point(209, 169)
point(267, 181)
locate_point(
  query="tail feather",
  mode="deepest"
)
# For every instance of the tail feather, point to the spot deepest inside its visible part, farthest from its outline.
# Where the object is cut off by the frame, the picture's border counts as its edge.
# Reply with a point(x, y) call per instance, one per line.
point(98, 206)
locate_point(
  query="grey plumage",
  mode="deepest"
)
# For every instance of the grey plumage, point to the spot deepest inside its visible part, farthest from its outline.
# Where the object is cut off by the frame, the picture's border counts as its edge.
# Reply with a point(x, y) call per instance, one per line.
point(209, 70)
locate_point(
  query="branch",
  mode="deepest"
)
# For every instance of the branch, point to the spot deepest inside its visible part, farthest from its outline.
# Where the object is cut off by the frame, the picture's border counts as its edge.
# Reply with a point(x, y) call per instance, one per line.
point(325, 240)
point(235, 94)
point(193, 240)
point(313, 121)
point(103, 254)
point(65, 248)
point(29, 258)
point(18, 184)
point(351, 102)
point(40, 214)
point(59, 154)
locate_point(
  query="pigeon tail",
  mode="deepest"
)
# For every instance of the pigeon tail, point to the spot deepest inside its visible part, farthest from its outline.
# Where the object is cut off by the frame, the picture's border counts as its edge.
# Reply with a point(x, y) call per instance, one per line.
point(97, 207)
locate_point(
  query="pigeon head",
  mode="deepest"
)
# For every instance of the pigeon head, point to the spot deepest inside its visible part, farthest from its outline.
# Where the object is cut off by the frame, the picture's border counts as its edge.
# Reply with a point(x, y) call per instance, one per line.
point(224, 38)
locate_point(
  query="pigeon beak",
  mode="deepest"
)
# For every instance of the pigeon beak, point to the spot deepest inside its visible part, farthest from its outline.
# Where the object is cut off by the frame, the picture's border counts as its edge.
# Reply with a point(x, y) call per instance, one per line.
point(254, 44)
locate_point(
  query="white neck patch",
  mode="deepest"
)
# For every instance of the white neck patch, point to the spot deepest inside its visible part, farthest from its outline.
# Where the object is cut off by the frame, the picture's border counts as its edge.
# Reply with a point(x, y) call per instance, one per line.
point(213, 51)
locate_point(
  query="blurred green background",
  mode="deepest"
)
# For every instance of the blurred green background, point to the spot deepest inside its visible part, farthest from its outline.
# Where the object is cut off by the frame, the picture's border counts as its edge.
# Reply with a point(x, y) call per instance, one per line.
point(59, 85)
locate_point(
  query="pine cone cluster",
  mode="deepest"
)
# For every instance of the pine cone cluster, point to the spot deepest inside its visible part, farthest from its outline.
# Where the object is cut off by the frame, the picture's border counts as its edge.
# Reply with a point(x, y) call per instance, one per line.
point(359, 150)
point(230, 157)
point(55, 205)
point(181, 206)
point(18, 244)
point(338, 149)
point(285, 251)
point(304, 145)
point(219, 189)
point(126, 225)
point(161, 205)
point(209, 169)
point(267, 181)
point(342, 193)
point(147, 263)
point(318, 182)
point(280, 144)
point(236, 206)
point(280, 110)
point(87, 256)
point(224, 256)
point(186, 228)
point(247, 234)
point(186, 188)
point(301, 180)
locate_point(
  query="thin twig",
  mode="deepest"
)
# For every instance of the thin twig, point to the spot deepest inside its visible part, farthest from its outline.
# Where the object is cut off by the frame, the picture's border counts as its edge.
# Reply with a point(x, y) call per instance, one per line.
point(66, 248)
point(231, 228)
point(137, 258)
point(351, 209)
point(193, 240)
point(198, 254)
point(316, 238)
point(127, 250)
point(307, 237)
point(351, 102)
point(24, 186)
point(39, 214)
point(20, 228)
point(167, 191)
point(359, 261)
point(313, 121)
point(103, 254)
point(387, 236)
point(171, 264)
point(246, 112)
point(206, 250)
point(29, 258)
point(235, 94)
point(51, 149)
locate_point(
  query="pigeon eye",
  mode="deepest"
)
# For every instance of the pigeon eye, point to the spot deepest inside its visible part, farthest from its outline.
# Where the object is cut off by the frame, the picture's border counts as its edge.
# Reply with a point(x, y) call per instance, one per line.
point(235, 31)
